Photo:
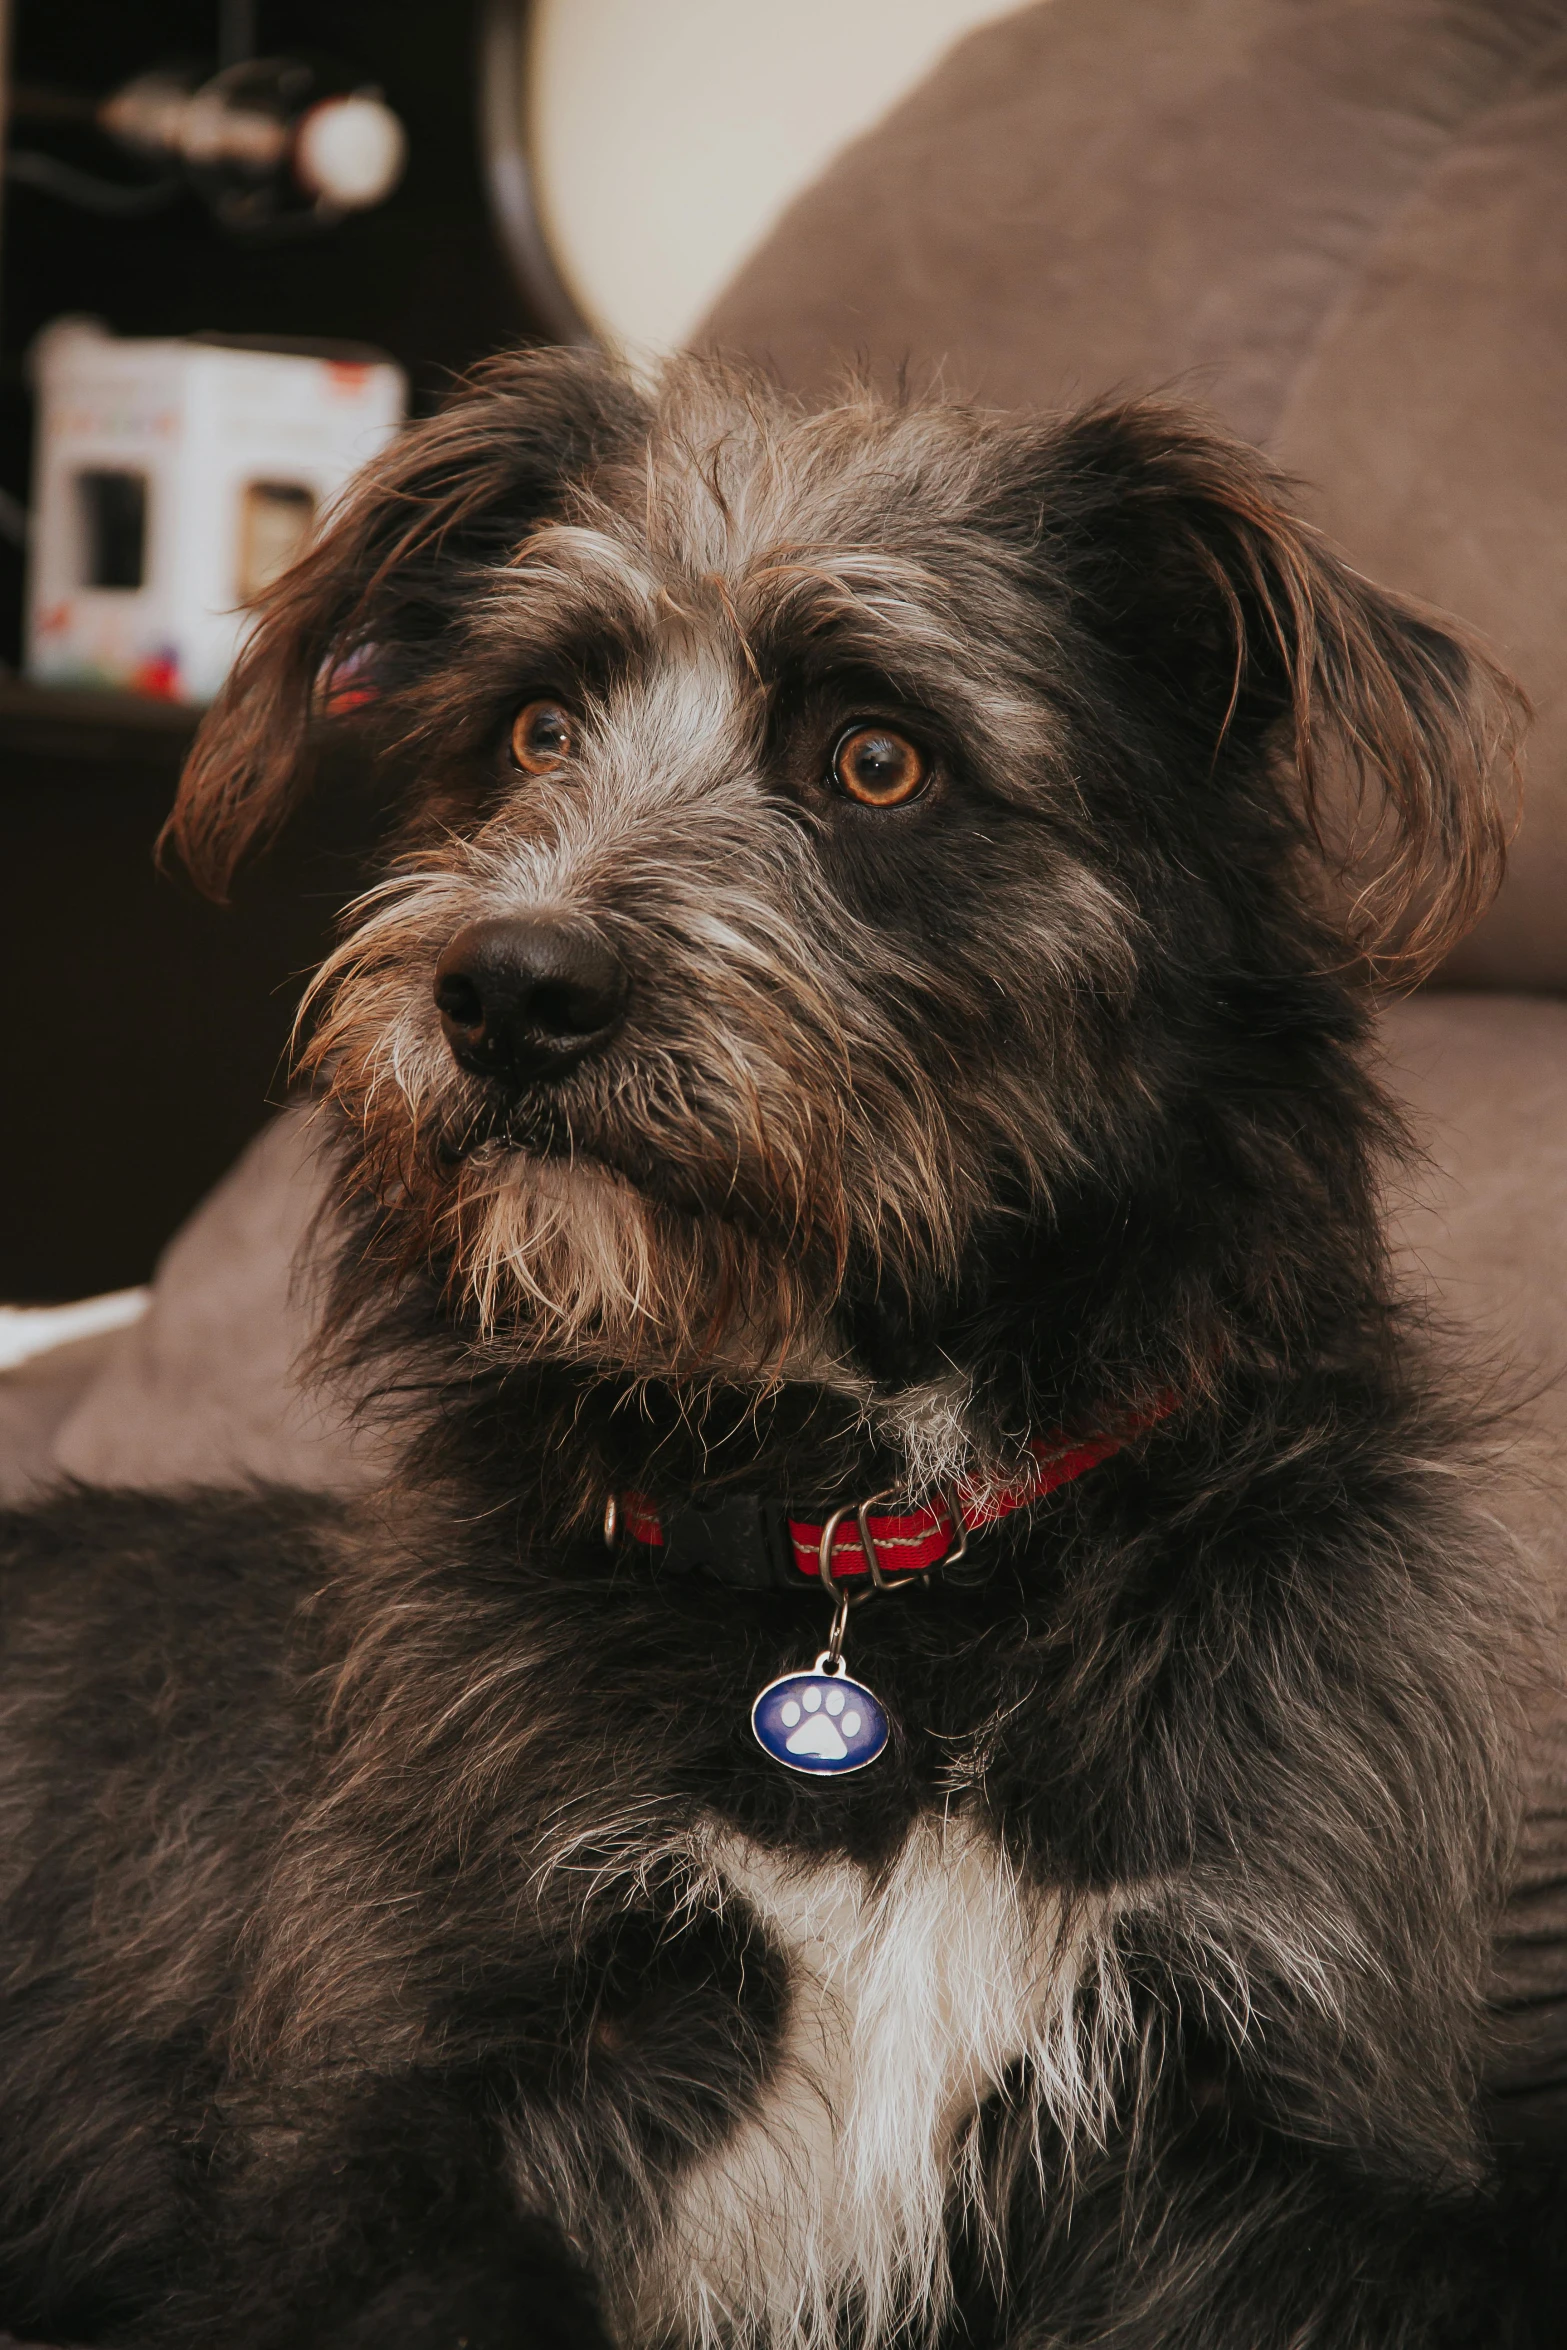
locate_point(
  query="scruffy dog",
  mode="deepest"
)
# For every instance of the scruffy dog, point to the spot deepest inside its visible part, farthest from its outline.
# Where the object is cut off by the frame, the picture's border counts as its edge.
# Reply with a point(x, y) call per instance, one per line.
point(858, 1063)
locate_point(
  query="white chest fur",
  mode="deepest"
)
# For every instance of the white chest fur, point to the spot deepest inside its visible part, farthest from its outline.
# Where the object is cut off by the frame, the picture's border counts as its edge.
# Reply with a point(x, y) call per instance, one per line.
point(913, 1995)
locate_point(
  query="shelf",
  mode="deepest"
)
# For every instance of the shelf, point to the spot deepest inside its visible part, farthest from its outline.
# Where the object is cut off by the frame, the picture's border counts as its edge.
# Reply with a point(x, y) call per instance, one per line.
point(92, 725)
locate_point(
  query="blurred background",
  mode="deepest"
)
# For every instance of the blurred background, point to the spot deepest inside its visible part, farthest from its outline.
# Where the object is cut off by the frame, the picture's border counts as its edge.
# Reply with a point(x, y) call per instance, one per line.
point(348, 202)
point(147, 1026)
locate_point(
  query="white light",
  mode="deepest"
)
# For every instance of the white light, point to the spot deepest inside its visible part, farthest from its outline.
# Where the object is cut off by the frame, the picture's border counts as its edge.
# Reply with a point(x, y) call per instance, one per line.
point(350, 152)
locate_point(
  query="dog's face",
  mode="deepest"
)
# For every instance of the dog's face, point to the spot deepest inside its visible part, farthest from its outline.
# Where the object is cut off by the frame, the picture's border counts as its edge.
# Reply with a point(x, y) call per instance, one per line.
point(757, 933)
point(834, 834)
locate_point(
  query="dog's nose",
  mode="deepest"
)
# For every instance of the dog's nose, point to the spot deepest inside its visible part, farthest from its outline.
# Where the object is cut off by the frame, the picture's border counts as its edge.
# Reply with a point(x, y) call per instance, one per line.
point(528, 996)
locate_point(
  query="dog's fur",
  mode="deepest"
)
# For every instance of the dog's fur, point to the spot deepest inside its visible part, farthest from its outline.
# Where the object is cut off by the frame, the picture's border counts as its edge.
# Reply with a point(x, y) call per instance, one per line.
point(404, 1940)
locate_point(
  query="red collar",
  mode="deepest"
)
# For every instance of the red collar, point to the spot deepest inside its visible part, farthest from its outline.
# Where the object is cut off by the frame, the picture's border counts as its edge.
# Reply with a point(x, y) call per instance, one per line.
point(911, 1542)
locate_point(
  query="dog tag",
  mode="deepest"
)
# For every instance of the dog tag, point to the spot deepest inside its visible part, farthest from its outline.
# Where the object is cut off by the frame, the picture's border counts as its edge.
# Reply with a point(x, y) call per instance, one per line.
point(820, 1721)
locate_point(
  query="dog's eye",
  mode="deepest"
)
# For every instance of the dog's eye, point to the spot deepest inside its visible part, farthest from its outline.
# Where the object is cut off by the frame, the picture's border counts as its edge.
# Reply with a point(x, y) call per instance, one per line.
point(542, 735)
point(878, 768)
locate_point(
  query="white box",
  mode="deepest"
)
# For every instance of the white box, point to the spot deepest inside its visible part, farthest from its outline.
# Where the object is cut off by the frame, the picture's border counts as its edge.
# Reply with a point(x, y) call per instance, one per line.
point(173, 478)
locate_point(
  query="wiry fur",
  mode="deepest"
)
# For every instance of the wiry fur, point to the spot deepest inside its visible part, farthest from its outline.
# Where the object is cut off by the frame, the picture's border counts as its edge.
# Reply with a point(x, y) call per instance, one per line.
point(403, 1938)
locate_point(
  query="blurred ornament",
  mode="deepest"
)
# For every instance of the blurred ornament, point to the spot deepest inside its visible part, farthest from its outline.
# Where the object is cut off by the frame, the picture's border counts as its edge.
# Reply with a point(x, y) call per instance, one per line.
point(175, 477)
point(274, 146)
point(261, 142)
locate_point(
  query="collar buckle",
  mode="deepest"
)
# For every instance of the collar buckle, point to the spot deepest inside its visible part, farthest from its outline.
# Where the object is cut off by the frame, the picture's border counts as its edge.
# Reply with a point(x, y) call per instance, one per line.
point(736, 1538)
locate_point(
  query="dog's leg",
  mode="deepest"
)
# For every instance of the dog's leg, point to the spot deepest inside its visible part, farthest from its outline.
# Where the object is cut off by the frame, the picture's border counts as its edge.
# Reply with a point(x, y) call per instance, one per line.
point(396, 2229)
point(156, 2189)
point(1215, 2239)
point(531, 2301)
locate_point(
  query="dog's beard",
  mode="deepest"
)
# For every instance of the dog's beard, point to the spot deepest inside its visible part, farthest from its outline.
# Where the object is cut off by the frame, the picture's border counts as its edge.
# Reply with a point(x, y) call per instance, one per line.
point(557, 1258)
point(689, 1212)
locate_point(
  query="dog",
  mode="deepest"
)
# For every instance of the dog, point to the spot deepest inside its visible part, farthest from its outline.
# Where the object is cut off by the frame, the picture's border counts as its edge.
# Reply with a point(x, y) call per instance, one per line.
point(855, 1086)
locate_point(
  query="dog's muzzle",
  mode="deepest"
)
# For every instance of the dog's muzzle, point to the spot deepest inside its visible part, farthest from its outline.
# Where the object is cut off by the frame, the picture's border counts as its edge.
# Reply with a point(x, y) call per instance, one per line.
point(527, 997)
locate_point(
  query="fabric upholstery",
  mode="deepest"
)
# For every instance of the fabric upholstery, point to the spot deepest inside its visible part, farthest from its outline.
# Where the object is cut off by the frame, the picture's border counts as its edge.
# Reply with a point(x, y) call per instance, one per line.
point(37, 1397)
point(204, 1386)
point(1336, 225)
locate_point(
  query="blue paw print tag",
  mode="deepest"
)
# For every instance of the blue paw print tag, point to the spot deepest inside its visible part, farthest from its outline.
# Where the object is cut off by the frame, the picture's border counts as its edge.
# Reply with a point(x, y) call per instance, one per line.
point(820, 1722)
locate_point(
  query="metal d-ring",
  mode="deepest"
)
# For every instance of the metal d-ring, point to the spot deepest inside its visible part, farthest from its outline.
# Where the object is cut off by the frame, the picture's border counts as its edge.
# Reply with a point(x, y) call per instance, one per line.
point(843, 1598)
point(868, 1539)
point(950, 1558)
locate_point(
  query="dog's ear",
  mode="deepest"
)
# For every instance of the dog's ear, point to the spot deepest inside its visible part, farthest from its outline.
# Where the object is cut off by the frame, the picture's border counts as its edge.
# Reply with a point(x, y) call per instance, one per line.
point(386, 579)
point(1257, 642)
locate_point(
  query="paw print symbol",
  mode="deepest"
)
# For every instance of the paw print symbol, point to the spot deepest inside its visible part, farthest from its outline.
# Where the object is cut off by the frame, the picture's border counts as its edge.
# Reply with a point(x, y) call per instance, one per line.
point(820, 1722)
point(826, 1722)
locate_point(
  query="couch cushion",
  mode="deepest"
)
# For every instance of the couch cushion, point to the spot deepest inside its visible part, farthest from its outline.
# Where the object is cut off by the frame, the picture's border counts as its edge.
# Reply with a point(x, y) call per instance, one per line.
point(1429, 422)
point(204, 1387)
point(1336, 224)
point(37, 1397)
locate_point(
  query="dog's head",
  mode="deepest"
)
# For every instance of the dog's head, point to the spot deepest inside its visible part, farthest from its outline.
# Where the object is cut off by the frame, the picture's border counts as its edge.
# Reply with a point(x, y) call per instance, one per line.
point(839, 839)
